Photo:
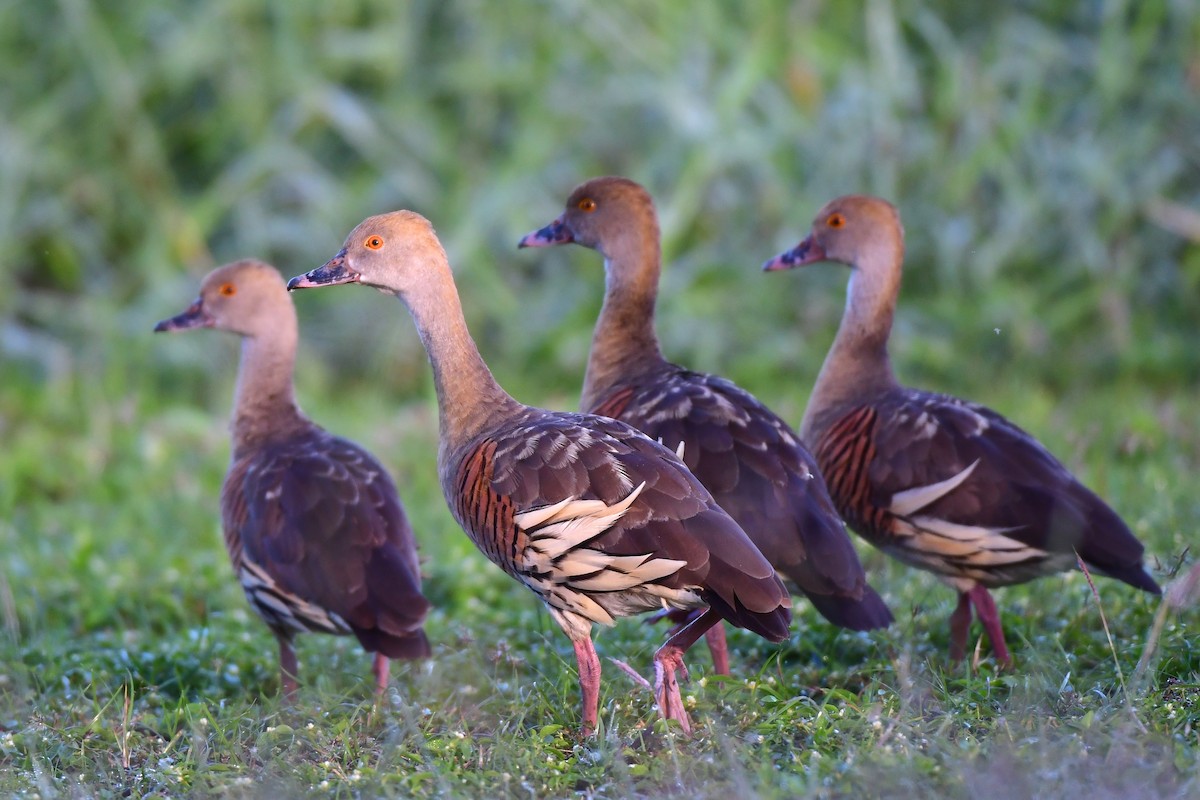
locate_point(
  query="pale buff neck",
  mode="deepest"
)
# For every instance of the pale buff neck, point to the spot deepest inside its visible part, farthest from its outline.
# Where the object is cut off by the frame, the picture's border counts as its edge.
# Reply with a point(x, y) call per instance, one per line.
point(469, 399)
point(857, 368)
point(264, 402)
point(624, 343)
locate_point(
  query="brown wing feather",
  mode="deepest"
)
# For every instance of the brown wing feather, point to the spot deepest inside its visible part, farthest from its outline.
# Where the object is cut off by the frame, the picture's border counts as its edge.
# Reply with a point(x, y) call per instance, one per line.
point(910, 439)
point(760, 473)
point(323, 539)
point(545, 458)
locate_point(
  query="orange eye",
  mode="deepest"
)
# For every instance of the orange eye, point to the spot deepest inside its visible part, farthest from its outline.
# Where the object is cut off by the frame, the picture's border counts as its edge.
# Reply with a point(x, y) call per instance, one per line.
point(373, 242)
point(835, 221)
point(228, 289)
point(587, 204)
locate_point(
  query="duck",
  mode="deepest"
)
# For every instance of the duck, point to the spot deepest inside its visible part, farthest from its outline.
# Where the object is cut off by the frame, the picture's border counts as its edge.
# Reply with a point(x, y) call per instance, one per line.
point(755, 465)
point(313, 524)
point(598, 520)
point(940, 483)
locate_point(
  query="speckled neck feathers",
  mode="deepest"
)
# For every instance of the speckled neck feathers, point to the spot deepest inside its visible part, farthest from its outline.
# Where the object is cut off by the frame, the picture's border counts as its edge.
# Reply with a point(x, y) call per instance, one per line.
point(624, 343)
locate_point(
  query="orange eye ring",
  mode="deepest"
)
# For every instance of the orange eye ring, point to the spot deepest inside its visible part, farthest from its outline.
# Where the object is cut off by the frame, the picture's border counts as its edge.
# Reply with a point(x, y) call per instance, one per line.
point(587, 204)
point(836, 221)
point(227, 290)
point(373, 242)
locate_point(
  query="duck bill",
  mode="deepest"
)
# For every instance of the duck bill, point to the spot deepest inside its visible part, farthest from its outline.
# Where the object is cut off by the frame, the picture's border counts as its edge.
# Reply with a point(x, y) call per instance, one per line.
point(332, 272)
point(554, 233)
point(193, 317)
point(807, 252)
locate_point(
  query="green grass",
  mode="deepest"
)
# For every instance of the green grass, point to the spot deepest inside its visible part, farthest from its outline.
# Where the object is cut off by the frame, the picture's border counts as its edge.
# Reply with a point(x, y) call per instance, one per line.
point(1031, 150)
point(132, 662)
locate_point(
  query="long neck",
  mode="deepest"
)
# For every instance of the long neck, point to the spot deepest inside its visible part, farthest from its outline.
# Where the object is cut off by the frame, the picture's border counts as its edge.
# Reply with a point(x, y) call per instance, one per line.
point(857, 367)
point(469, 399)
point(264, 402)
point(624, 343)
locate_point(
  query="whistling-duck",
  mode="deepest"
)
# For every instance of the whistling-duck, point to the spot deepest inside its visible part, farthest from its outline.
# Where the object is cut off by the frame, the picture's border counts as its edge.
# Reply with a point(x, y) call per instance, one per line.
point(941, 484)
point(597, 519)
point(313, 525)
point(753, 463)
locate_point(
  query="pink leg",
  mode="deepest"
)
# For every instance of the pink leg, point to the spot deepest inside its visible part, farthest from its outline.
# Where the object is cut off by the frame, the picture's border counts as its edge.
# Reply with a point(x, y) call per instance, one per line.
point(715, 636)
point(719, 648)
point(288, 669)
point(669, 658)
point(985, 609)
point(379, 667)
point(960, 625)
point(589, 682)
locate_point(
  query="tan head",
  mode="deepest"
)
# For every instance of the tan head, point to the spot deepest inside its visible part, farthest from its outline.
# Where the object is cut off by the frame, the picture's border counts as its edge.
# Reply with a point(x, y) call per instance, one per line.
point(392, 252)
point(246, 297)
point(847, 230)
point(597, 213)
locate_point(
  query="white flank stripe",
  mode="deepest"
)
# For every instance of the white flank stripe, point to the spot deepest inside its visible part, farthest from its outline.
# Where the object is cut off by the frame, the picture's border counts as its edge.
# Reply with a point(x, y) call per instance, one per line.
point(906, 502)
point(612, 580)
point(595, 512)
point(678, 449)
point(580, 604)
point(981, 546)
point(971, 534)
point(296, 613)
point(534, 517)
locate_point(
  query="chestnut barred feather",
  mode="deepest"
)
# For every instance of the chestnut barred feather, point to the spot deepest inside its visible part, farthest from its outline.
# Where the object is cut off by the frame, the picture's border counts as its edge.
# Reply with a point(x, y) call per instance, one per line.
point(955, 488)
point(601, 522)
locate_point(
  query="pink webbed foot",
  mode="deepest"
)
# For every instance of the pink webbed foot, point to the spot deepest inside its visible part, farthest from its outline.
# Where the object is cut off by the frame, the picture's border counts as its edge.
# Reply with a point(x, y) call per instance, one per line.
point(666, 686)
point(669, 660)
point(717, 645)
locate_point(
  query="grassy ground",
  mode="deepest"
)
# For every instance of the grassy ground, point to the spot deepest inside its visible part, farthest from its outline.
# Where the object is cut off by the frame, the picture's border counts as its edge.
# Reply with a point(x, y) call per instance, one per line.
point(1045, 164)
point(133, 665)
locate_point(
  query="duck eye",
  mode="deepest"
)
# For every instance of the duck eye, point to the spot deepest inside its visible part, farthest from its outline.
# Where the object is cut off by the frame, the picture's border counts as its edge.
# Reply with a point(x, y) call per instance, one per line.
point(835, 221)
point(373, 242)
point(587, 204)
point(227, 290)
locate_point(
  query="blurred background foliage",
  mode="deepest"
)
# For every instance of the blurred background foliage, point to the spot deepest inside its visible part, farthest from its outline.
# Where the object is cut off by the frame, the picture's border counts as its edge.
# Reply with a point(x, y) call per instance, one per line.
point(1044, 157)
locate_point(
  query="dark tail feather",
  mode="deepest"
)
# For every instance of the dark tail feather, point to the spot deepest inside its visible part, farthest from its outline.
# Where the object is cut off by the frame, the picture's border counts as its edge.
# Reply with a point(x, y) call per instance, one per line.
point(773, 625)
point(1108, 546)
point(1134, 574)
point(740, 585)
point(867, 613)
point(411, 646)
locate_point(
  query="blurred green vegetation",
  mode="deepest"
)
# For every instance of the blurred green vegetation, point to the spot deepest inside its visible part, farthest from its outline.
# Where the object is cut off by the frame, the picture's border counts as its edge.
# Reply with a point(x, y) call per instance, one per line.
point(1045, 157)
point(1032, 149)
